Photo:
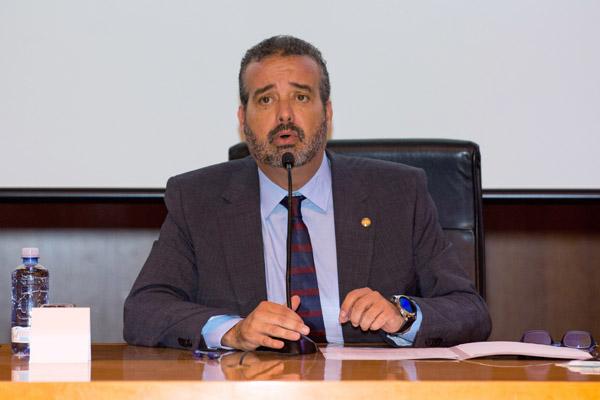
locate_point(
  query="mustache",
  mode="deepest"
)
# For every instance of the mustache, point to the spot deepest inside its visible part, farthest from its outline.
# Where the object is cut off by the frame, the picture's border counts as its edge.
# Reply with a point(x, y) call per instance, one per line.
point(284, 127)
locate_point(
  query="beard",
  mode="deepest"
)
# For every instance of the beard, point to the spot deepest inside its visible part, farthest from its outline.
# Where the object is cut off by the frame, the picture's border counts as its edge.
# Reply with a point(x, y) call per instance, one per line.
point(265, 152)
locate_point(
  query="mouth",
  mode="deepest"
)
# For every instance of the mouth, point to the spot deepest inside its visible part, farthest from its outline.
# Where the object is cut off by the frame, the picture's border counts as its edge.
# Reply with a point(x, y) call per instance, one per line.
point(285, 137)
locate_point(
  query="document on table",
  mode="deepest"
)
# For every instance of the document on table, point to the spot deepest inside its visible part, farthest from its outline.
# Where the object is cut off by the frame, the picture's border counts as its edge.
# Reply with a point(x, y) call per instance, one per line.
point(460, 352)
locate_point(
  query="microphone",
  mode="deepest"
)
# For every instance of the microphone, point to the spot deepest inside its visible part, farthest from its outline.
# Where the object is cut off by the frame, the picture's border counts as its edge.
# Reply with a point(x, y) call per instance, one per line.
point(287, 160)
point(304, 345)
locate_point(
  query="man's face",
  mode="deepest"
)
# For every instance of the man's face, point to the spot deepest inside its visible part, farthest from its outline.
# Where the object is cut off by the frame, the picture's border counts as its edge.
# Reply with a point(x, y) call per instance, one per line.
point(284, 111)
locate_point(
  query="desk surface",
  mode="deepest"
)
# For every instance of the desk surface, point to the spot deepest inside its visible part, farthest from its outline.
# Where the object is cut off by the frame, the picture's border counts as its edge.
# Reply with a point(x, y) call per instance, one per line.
point(120, 371)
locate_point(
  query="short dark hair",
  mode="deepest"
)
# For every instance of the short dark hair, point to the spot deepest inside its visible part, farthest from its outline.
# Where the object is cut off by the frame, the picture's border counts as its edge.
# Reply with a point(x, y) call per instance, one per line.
point(284, 45)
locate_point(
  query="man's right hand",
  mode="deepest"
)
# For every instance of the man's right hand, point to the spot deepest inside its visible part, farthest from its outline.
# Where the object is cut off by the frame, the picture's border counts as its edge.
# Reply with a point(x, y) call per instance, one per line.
point(267, 322)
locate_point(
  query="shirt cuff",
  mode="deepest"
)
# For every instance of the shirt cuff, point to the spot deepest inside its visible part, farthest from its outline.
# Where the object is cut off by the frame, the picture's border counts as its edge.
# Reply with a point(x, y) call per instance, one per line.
point(216, 327)
point(406, 339)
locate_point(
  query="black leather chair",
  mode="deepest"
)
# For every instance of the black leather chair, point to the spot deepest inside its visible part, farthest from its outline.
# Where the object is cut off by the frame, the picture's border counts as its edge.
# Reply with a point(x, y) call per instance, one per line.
point(454, 177)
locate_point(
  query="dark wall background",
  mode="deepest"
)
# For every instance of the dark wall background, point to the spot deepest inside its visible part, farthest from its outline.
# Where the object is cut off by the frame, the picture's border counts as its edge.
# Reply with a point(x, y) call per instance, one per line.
point(542, 256)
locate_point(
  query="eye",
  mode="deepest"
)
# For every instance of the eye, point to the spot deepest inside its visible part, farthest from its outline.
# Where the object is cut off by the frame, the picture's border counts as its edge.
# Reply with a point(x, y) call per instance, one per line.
point(265, 100)
point(302, 98)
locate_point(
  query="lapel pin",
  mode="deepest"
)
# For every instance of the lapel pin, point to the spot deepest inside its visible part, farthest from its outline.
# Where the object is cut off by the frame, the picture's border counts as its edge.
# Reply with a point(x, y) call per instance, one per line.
point(365, 222)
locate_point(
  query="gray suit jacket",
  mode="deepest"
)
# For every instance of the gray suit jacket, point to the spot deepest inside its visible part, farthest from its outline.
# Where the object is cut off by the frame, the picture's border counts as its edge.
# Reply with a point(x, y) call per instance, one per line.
point(209, 258)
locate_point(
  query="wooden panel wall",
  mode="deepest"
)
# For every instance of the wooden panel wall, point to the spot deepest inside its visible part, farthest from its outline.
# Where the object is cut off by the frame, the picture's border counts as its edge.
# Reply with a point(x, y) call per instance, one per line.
point(543, 267)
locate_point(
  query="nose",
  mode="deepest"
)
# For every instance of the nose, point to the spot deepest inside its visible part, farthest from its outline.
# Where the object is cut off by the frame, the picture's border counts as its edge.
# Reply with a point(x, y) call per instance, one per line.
point(285, 113)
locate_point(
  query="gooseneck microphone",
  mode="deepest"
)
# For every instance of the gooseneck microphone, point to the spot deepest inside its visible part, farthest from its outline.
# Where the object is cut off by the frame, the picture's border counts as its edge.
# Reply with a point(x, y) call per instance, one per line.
point(287, 160)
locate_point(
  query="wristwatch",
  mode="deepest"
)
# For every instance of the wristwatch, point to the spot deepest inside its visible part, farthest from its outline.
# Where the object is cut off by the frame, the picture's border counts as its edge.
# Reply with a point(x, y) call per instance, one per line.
point(408, 311)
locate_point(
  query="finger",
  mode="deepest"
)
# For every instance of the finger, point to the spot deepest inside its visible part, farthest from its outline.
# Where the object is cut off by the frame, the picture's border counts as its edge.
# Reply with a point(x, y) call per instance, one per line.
point(379, 322)
point(356, 314)
point(284, 318)
point(295, 302)
point(279, 332)
point(267, 341)
point(361, 306)
point(349, 301)
point(369, 316)
point(269, 310)
point(272, 343)
point(292, 324)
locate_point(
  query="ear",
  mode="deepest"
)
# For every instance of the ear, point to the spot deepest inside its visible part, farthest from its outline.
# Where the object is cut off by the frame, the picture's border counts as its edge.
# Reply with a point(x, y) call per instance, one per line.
point(328, 112)
point(241, 114)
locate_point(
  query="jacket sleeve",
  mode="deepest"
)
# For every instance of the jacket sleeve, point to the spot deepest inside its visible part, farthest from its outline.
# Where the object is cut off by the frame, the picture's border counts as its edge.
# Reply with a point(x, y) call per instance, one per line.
point(161, 309)
point(453, 311)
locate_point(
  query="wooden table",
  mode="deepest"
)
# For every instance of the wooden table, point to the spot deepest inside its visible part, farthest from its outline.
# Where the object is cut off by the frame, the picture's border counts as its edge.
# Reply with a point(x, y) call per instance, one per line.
point(121, 372)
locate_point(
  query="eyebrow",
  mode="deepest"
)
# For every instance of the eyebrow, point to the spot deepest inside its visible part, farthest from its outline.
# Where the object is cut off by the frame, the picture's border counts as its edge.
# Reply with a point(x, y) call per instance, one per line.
point(301, 86)
point(263, 89)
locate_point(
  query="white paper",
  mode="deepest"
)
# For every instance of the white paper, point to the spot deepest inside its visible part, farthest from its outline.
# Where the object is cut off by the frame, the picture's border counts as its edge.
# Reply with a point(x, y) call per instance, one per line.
point(461, 352)
point(483, 349)
point(60, 335)
point(379, 353)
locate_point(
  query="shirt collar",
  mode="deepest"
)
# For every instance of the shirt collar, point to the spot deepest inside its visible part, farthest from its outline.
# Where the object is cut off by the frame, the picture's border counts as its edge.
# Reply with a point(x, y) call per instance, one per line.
point(317, 190)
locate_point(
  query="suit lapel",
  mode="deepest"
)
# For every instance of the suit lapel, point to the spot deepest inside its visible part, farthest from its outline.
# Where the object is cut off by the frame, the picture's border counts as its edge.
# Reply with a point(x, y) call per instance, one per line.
point(242, 242)
point(354, 242)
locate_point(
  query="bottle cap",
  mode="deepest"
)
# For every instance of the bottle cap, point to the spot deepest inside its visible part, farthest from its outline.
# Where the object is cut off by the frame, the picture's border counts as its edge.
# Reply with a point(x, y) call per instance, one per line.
point(30, 252)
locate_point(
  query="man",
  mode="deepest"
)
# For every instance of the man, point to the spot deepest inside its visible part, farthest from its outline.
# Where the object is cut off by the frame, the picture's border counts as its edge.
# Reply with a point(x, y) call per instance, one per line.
point(368, 228)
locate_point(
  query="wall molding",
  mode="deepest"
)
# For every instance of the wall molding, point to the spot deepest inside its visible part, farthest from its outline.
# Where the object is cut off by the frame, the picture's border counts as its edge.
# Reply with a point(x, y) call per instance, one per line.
point(157, 194)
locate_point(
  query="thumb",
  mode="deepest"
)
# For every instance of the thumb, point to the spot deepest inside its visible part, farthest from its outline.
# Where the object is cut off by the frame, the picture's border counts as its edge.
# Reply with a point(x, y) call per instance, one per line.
point(295, 302)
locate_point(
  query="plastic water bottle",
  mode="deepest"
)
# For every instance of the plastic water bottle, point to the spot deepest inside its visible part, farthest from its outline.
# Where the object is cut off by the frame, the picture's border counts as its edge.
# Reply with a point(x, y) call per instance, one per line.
point(29, 289)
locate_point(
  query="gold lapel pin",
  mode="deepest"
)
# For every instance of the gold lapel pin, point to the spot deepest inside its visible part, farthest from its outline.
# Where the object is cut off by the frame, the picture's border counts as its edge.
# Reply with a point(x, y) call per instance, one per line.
point(365, 222)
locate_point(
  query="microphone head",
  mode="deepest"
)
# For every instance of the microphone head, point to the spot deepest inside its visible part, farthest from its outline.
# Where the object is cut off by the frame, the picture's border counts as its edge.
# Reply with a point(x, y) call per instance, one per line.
point(287, 160)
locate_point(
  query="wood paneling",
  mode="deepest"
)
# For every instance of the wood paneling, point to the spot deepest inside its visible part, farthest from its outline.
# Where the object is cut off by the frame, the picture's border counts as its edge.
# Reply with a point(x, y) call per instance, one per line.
point(65, 214)
point(543, 267)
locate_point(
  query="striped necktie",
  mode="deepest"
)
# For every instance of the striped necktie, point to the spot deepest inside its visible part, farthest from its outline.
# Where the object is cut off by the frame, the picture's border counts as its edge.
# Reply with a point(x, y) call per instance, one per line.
point(304, 274)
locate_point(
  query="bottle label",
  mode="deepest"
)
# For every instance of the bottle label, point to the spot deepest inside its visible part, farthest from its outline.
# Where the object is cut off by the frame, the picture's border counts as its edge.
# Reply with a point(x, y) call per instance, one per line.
point(19, 376)
point(20, 334)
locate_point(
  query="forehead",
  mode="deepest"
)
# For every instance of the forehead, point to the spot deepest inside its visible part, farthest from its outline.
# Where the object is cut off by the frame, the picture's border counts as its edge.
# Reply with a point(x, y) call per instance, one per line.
point(274, 70)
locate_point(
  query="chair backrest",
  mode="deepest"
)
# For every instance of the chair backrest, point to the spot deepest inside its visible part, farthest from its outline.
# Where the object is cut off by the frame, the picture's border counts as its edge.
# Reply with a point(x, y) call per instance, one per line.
point(454, 177)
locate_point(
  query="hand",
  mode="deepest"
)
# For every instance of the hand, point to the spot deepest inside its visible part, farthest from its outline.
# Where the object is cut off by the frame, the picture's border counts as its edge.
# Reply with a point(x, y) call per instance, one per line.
point(265, 323)
point(371, 311)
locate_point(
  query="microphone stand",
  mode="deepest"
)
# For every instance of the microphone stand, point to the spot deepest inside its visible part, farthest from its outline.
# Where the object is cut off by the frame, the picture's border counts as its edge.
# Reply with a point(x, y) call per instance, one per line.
point(304, 345)
point(288, 164)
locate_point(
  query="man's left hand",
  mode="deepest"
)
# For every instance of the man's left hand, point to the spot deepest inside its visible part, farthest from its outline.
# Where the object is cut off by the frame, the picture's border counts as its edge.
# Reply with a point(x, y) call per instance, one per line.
point(371, 311)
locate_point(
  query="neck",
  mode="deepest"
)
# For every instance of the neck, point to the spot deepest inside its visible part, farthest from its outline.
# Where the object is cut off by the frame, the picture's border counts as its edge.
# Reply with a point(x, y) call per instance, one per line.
point(300, 175)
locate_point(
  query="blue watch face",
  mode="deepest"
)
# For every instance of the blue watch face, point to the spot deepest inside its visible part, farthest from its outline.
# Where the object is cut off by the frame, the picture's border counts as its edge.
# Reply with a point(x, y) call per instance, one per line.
point(406, 304)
